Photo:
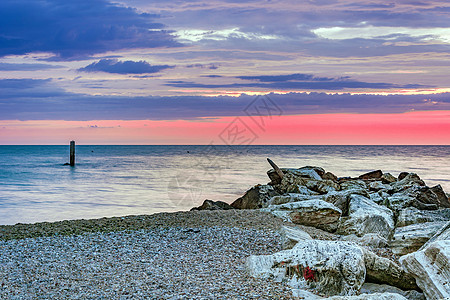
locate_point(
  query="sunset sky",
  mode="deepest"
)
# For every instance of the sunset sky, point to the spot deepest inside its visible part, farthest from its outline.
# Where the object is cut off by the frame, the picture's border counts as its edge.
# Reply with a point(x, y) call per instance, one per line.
point(192, 72)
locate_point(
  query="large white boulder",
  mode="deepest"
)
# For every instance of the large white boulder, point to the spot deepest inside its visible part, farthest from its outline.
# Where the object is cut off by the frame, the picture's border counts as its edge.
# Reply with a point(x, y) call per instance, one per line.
point(431, 268)
point(325, 267)
point(365, 216)
point(290, 236)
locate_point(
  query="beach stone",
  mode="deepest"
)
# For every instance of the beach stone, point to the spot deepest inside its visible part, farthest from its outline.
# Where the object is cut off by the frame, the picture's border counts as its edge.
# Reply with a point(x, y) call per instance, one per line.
point(382, 270)
point(376, 296)
point(299, 189)
point(441, 235)
point(213, 205)
point(412, 215)
point(353, 185)
point(402, 200)
point(256, 197)
point(340, 199)
point(304, 172)
point(388, 178)
point(371, 175)
point(409, 180)
point(370, 288)
point(365, 216)
point(369, 240)
point(377, 198)
point(431, 268)
point(316, 213)
point(290, 236)
point(291, 197)
point(323, 186)
point(442, 197)
point(330, 176)
point(324, 267)
point(378, 185)
point(410, 238)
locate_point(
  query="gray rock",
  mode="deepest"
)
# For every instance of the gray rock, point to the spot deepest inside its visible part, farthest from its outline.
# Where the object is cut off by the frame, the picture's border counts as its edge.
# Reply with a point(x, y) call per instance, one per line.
point(376, 296)
point(441, 235)
point(213, 205)
point(340, 199)
point(384, 271)
point(290, 236)
point(412, 215)
point(371, 175)
point(304, 172)
point(388, 178)
point(431, 268)
point(329, 176)
point(377, 198)
point(316, 213)
point(378, 185)
point(331, 268)
point(369, 240)
point(365, 216)
point(323, 186)
point(402, 200)
point(256, 197)
point(442, 197)
point(370, 288)
point(409, 180)
point(291, 197)
point(410, 238)
point(353, 185)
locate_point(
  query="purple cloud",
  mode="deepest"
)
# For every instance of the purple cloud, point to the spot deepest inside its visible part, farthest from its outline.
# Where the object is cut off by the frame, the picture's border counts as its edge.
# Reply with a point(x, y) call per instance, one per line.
point(123, 67)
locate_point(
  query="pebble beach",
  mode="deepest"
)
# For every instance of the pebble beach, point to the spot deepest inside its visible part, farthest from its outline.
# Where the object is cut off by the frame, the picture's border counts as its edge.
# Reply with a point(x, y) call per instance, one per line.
point(184, 255)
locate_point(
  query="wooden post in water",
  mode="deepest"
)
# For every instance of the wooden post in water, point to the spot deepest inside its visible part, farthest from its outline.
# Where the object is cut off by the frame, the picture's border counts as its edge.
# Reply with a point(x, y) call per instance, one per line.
point(72, 153)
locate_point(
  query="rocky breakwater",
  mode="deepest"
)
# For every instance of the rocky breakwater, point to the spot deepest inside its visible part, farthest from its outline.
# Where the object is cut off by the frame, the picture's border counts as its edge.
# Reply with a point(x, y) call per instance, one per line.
point(375, 219)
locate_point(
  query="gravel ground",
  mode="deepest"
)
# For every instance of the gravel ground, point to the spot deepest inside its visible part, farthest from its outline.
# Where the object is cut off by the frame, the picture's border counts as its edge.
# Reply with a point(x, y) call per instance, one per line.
point(185, 255)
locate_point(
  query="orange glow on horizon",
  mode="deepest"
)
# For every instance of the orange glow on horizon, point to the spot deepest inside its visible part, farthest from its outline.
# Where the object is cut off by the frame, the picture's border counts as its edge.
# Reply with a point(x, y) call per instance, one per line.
point(413, 128)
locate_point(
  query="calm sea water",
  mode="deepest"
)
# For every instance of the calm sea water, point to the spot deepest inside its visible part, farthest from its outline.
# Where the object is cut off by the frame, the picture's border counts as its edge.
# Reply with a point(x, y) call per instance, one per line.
point(121, 180)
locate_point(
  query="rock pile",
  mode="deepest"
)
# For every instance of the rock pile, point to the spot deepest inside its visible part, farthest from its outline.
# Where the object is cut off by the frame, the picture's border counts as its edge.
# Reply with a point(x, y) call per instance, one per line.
point(371, 214)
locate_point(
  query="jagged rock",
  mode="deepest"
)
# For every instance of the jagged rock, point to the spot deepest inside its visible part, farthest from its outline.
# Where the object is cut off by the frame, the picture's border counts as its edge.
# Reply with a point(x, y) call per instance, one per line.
point(369, 240)
point(410, 238)
point(353, 185)
point(441, 235)
point(403, 200)
point(402, 175)
point(323, 186)
point(299, 189)
point(325, 267)
point(371, 175)
point(412, 215)
point(290, 236)
point(403, 183)
point(340, 199)
point(431, 268)
point(382, 270)
point(316, 213)
point(377, 198)
point(365, 216)
point(304, 172)
point(388, 178)
point(442, 197)
point(291, 197)
point(256, 197)
point(329, 176)
point(370, 288)
point(378, 185)
point(213, 205)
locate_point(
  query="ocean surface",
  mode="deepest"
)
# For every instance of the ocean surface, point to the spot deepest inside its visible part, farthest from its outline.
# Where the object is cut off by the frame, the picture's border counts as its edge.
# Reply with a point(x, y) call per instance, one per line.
point(36, 186)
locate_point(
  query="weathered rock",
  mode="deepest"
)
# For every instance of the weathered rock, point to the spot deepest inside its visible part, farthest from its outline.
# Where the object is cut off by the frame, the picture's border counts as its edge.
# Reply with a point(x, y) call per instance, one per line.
point(371, 175)
point(365, 216)
point(213, 205)
point(441, 235)
point(410, 238)
point(382, 270)
point(442, 197)
point(378, 185)
point(326, 267)
point(412, 215)
point(377, 198)
point(291, 197)
point(290, 236)
point(431, 268)
point(402, 175)
point(409, 180)
point(369, 240)
point(388, 178)
point(304, 172)
point(256, 197)
point(316, 213)
point(353, 185)
point(329, 176)
point(299, 189)
point(402, 200)
point(323, 186)
point(340, 199)
point(370, 288)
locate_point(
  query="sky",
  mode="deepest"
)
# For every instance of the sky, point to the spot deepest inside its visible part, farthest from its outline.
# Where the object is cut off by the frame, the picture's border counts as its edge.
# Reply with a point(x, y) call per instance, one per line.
point(225, 72)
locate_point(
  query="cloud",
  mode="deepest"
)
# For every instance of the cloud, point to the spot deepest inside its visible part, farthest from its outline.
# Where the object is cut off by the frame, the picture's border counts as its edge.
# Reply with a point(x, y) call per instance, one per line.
point(123, 67)
point(73, 29)
point(39, 100)
point(26, 67)
point(203, 66)
point(296, 81)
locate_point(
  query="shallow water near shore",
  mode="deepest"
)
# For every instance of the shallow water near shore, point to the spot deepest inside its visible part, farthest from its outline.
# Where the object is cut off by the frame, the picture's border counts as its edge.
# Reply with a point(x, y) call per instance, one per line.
point(35, 186)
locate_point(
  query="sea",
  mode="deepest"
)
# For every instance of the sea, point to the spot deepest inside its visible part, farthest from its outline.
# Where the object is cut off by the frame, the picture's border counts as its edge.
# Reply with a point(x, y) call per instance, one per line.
point(36, 186)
